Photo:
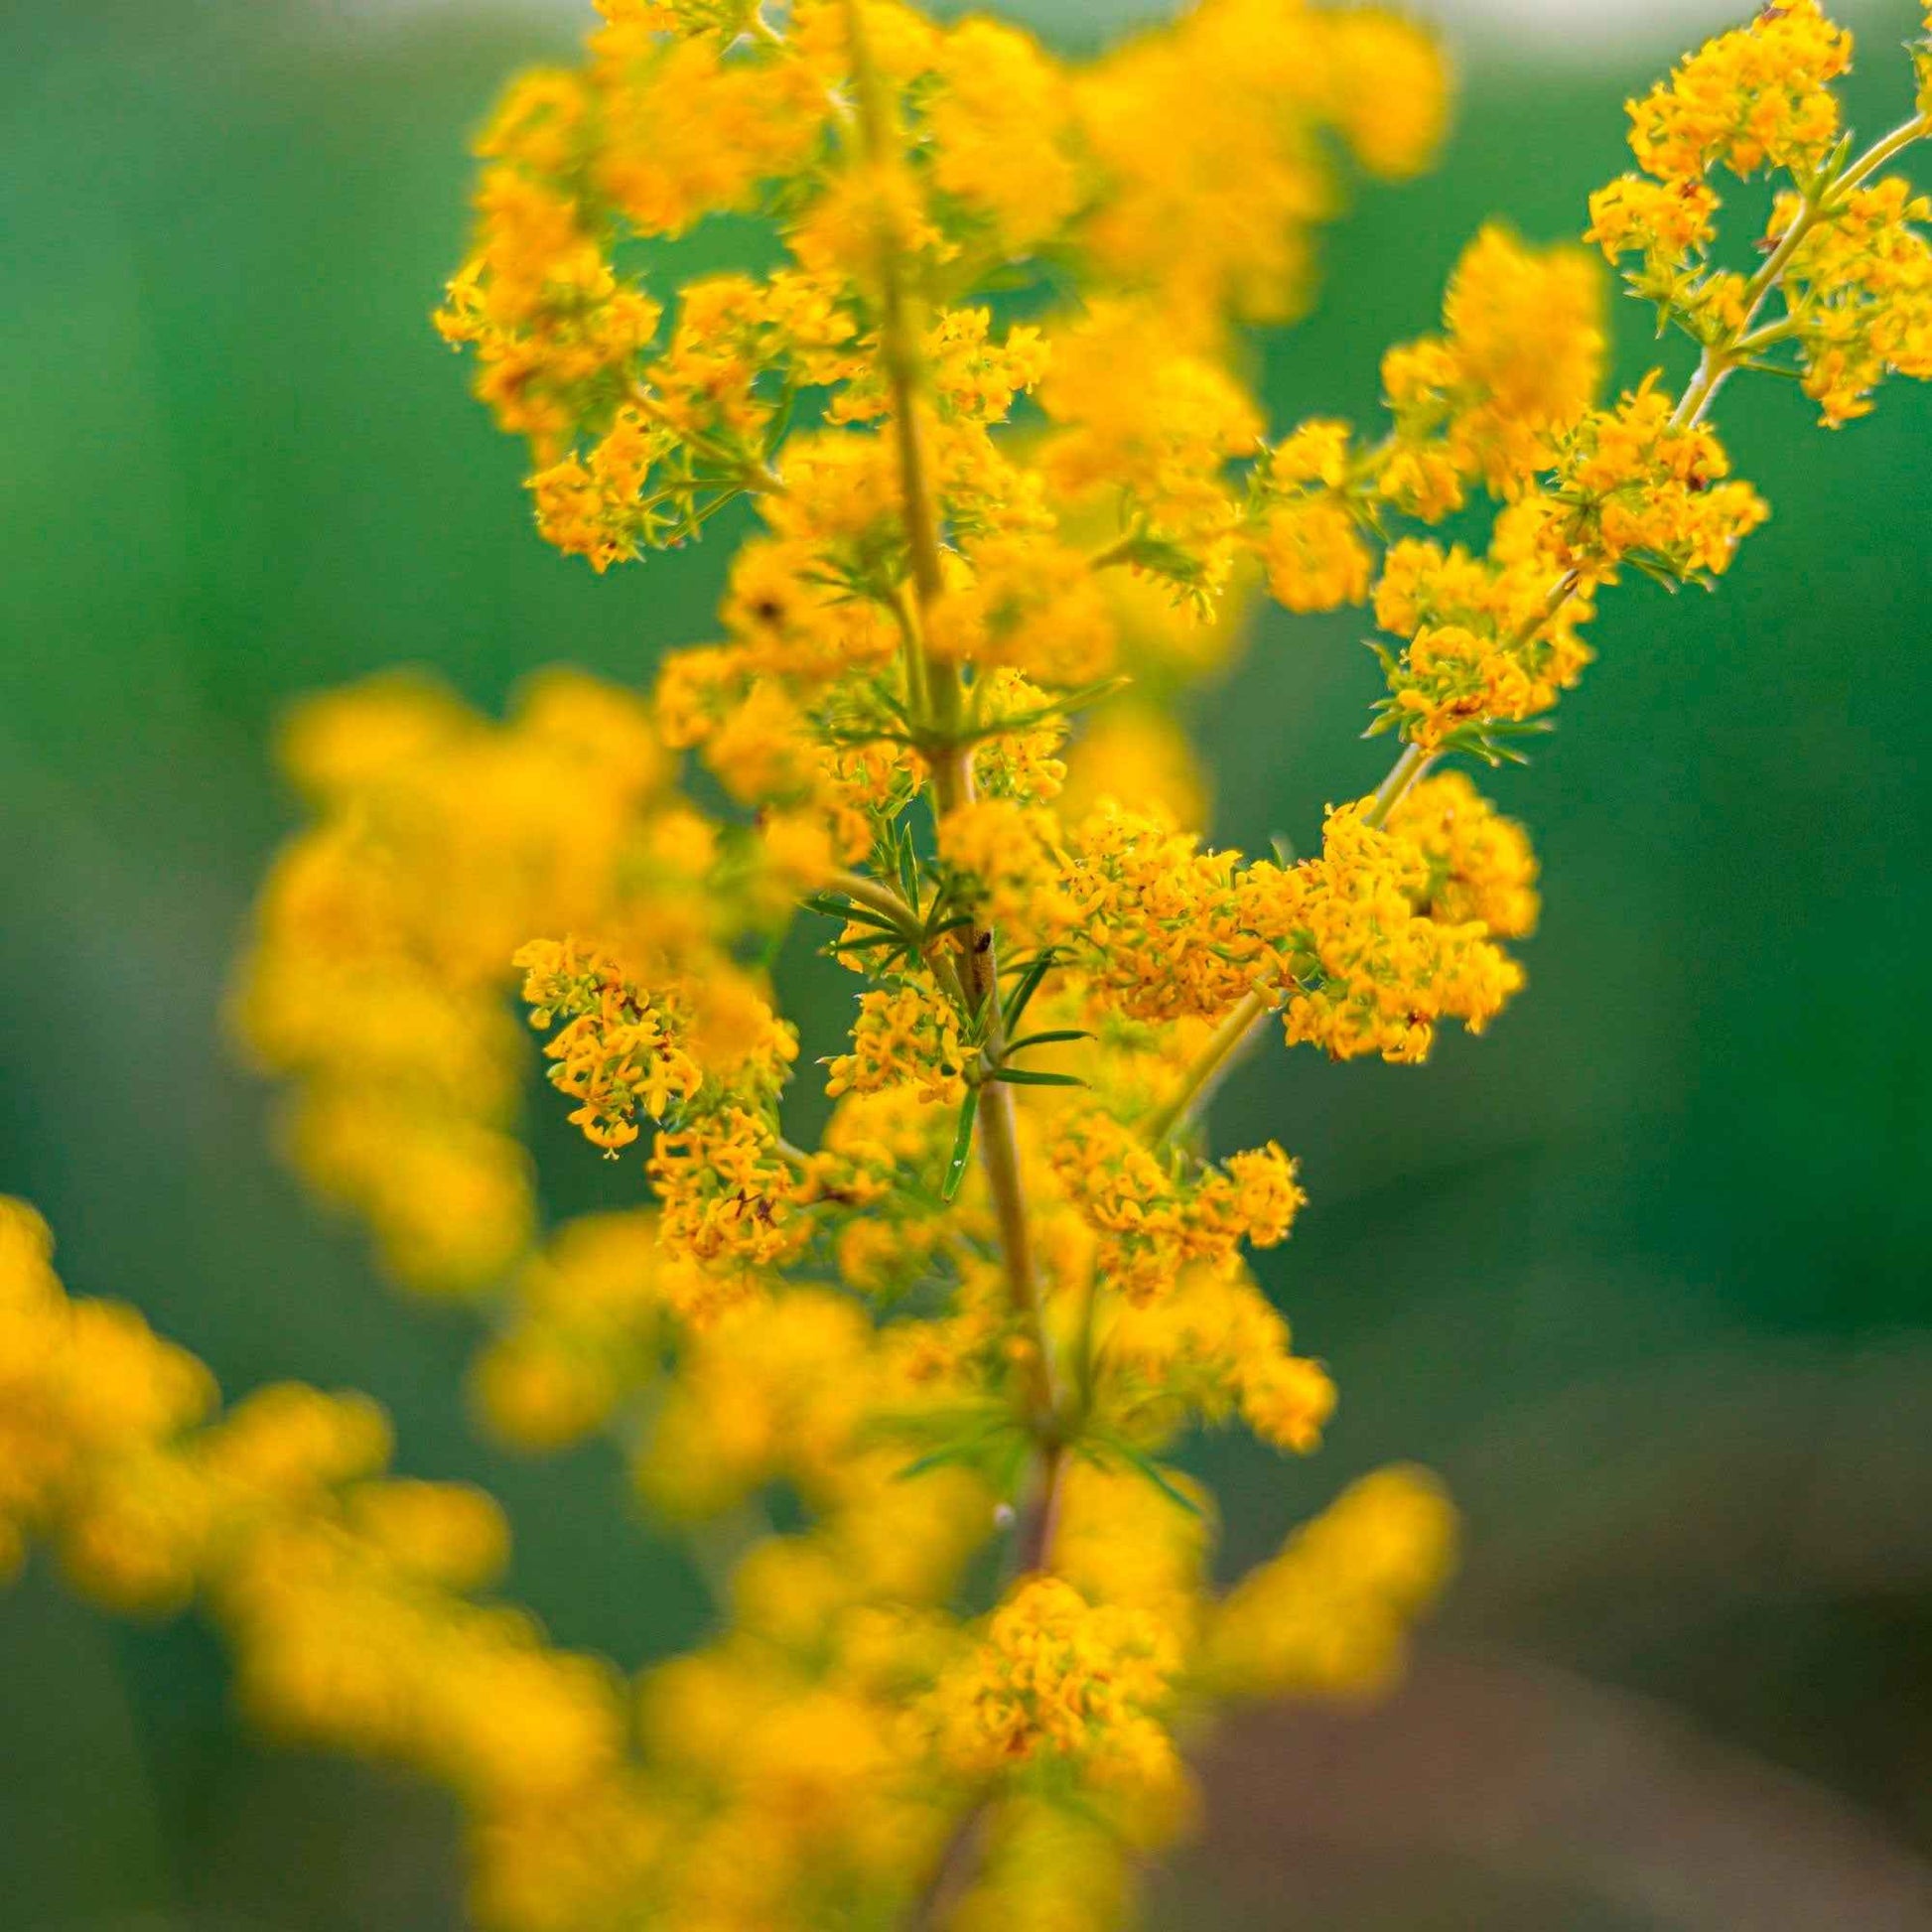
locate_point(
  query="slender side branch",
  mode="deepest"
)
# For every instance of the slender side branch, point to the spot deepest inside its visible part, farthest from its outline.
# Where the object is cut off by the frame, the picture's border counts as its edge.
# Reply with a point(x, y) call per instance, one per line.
point(1120, 551)
point(1718, 360)
point(1714, 367)
point(1404, 773)
point(880, 898)
point(952, 1871)
point(1885, 149)
point(1216, 1061)
point(1412, 765)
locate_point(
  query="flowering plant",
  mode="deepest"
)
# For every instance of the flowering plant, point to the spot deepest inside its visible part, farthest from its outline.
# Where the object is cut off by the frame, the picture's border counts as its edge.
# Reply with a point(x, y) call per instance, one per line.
point(1006, 481)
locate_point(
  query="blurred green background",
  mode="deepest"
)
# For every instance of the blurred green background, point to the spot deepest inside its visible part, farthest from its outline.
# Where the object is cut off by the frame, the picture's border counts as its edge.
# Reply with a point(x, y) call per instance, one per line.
point(1642, 1272)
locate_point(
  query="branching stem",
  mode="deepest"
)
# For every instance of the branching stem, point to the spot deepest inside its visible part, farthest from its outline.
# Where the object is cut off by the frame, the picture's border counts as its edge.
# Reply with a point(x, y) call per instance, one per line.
point(1216, 1060)
point(953, 787)
point(1716, 363)
point(880, 898)
point(1404, 773)
point(1820, 200)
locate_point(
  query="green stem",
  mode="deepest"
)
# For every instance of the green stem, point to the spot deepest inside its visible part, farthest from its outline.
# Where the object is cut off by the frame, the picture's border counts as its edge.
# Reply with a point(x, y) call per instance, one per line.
point(953, 1870)
point(918, 700)
point(1768, 337)
point(1209, 1069)
point(1715, 366)
point(1821, 199)
point(1119, 551)
point(880, 899)
point(1404, 773)
point(1409, 768)
point(952, 787)
point(898, 334)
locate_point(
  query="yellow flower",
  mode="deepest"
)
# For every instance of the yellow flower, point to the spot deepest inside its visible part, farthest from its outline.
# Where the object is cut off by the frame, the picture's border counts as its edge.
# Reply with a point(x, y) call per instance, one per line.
point(1000, 127)
point(1006, 867)
point(904, 1037)
point(1480, 866)
point(1526, 328)
point(1366, 972)
point(1331, 1611)
point(1155, 1221)
point(1030, 604)
point(618, 1052)
point(690, 129)
point(1163, 442)
point(1136, 752)
point(1665, 220)
point(960, 1332)
point(1633, 481)
point(1276, 75)
point(1057, 1677)
point(1860, 291)
point(1522, 361)
point(1755, 97)
point(1314, 554)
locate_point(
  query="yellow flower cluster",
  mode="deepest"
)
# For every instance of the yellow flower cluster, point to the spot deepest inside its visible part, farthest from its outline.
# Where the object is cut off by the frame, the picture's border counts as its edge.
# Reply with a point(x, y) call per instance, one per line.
point(345, 1594)
point(1331, 1613)
point(1362, 948)
point(551, 324)
point(617, 1053)
point(1487, 643)
point(906, 1029)
point(1310, 540)
point(1211, 1347)
point(1480, 866)
point(1634, 483)
point(1850, 272)
point(727, 1187)
point(1150, 1223)
point(683, 113)
point(1056, 1677)
point(1753, 98)
point(1277, 78)
point(1163, 916)
point(82, 1386)
point(1369, 972)
point(581, 1331)
point(995, 1299)
point(1522, 359)
point(1860, 293)
point(441, 844)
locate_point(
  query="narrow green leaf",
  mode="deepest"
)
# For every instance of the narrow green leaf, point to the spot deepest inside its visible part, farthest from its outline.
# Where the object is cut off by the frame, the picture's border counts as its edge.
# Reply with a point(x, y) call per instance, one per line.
point(1144, 1465)
point(909, 868)
point(1028, 985)
point(1019, 1076)
point(936, 1459)
point(962, 1146)
point(835, 908)
point(1003, 1470)
point(890, 939)
point(966, 1450)
point(1055, 1039)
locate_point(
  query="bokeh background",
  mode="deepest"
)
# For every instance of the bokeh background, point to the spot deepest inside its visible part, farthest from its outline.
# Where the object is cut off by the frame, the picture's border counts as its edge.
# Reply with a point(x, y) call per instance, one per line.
point(1643, 1273)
